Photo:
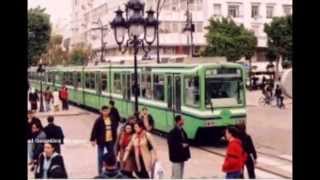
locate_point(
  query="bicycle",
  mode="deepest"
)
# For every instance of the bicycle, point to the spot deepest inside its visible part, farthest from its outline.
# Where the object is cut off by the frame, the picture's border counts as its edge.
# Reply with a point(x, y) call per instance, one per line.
point(264, 101)
point(267, 101)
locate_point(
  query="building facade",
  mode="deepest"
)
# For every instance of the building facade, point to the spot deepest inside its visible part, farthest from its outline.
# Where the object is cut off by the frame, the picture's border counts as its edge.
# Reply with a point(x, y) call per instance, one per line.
point(253, 14)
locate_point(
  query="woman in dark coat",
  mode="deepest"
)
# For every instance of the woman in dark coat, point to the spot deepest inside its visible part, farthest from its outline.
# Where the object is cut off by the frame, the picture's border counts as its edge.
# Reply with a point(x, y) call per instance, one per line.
point(50, 164)
point(38, 138)
point(249, 148)
point(33, 99)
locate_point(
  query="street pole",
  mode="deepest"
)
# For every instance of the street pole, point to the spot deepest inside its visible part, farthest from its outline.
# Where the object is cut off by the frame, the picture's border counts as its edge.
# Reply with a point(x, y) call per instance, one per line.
point(135, 46)
point(110, 96)
point(191, 34)
point(102, 45)
point(189, 27)
point(41, 98)
point(157, 31)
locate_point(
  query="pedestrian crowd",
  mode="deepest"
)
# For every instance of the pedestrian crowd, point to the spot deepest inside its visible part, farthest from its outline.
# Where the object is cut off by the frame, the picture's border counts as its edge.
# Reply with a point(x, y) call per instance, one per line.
point(44, 152)
point(129, 151)
point(50, 99)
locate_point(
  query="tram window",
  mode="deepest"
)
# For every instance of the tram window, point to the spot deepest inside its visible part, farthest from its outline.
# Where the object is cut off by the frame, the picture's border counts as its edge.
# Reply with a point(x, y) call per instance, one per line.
point(53, 78)
point(70, 79)
point(132, 84)
point(78, 80)
point(104, 82)
point(92, 81)
point(191, 91)
point(146, 88)
point(158, 87)
point(87, 80)
point(66, 78)
point(49, 77)
point(117, 83)
point(57, 78)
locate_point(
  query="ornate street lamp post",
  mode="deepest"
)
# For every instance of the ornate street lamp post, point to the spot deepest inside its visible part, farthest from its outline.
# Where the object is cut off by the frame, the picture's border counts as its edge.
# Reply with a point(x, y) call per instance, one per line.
point(41, 71)
point(136, 25)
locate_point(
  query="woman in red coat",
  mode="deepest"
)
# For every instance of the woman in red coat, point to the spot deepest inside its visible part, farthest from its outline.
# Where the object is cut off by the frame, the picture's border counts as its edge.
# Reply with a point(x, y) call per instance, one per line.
point(235, 157)
point(64, 96)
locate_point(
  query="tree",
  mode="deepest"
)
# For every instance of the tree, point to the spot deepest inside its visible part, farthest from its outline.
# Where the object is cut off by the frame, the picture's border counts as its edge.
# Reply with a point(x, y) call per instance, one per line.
point(226, 38)
point(279, 33)
point(39, 30)
point(55, 54)
point(80, 54)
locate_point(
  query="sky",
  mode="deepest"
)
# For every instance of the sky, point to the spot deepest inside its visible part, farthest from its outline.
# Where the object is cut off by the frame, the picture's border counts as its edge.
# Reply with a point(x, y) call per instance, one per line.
point(59, 10)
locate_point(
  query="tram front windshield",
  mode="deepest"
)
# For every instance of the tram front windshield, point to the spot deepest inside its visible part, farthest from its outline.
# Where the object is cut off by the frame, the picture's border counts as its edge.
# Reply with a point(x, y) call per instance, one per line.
point(222, 92)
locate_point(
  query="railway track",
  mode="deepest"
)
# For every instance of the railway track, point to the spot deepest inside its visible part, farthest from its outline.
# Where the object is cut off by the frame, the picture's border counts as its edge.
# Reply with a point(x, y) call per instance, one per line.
point(221, 154)
point(274, 156)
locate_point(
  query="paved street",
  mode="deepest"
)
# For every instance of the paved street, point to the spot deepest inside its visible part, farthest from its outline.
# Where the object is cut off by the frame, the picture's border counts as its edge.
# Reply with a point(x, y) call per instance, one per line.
point(270, 129)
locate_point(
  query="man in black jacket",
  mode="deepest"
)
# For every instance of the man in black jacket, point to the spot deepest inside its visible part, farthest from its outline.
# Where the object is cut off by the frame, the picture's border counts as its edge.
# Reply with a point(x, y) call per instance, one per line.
point(54, 133)
point(104, 134)
point(179, 151)
point(33, 99)
point(114, 112)
point(249, 148)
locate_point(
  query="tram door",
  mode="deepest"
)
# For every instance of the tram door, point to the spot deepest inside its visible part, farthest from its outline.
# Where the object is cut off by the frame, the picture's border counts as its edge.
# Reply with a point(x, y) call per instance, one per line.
point(174, 97)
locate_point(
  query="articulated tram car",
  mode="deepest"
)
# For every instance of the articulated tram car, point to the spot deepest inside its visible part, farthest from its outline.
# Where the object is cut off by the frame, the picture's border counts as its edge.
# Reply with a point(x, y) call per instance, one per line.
point(210, 96)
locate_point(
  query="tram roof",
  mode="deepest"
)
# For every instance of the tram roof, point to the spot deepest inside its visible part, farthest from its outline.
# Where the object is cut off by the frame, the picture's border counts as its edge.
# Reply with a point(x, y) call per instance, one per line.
point(175, 62)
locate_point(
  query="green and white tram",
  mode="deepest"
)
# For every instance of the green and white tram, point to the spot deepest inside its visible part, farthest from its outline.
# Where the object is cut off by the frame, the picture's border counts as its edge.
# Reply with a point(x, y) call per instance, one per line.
point(210, 96)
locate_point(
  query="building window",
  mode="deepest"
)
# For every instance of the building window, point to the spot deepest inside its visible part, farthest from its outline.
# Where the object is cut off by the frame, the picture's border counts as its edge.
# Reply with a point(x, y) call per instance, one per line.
point(217, 9)
point(254, 11)
point(183, 5)
point(174, 27)
point(198, 5)
point(198, 27)
point(166, 5)
point(175, 4)
point(192, 5)
point(165, 27)
point(234, 10)
point(270, 11)
point(287, 10)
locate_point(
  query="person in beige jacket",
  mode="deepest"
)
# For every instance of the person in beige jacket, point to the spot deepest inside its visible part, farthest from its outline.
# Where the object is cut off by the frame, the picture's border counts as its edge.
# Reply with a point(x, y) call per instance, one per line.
point(144, 150)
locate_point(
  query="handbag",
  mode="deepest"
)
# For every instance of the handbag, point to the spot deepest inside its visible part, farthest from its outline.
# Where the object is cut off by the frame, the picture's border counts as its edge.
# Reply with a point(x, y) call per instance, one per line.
point(158, 171)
